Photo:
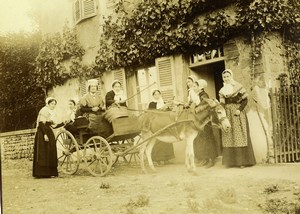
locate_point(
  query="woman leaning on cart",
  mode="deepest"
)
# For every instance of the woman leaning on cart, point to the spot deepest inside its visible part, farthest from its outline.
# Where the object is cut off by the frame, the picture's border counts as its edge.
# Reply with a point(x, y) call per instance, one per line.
point(45, 154)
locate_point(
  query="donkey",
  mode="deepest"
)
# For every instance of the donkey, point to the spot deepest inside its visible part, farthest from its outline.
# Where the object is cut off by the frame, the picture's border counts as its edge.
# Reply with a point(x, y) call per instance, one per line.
point(180, 126)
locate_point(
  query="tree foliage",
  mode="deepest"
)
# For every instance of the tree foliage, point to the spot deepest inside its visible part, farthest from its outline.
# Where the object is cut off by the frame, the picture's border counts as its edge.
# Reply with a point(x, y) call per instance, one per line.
point(54, 50)
point(158, 28)
point(19, 95)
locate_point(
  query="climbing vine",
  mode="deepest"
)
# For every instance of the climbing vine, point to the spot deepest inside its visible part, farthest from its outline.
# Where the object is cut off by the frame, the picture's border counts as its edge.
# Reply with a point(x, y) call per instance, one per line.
point(154, 29)
point(54, 50)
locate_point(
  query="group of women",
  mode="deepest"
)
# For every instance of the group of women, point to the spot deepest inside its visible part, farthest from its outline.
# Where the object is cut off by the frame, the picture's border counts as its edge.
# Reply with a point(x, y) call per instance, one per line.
point(91, 104)
point(236, 145)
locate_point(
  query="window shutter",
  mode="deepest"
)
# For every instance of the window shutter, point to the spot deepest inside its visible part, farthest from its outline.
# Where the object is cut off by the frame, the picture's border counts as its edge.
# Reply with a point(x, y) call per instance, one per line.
point(120, 75)
point(88, 8)
point(164, 68)
point(83, 89)
point(77, 11)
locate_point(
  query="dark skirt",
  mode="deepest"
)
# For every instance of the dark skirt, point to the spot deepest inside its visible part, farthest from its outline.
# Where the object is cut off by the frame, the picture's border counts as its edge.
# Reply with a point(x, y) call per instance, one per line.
point(239, 156)
point(99, 125)
point(45, 153)
point(205, 145)
point(162, 151)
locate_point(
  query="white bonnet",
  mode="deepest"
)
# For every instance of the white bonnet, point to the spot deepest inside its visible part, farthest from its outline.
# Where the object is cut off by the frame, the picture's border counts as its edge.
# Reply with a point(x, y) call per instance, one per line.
point(192, 77)
point(92, 82)
point(50, 99)
point(202, 83)
point(114, 82)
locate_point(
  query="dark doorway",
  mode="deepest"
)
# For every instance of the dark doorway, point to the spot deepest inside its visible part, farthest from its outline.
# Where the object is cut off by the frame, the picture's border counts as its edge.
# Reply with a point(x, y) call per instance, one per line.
point(212, 73)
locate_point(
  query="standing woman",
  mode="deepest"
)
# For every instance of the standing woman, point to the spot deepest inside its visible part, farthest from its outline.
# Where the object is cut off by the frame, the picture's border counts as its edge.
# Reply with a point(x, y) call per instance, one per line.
point(116, 95)
point(45, 154)
point(70, 117)
point(237, 146)
point(190, 85)
point(161, 152)
point(205, 145)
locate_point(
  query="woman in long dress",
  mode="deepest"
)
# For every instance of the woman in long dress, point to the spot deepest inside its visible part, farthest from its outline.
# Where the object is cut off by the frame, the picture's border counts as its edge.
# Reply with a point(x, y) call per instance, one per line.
point(162, 152)
point(205, 144)
point(237, 146)
point(45, 153)
point(70, 116)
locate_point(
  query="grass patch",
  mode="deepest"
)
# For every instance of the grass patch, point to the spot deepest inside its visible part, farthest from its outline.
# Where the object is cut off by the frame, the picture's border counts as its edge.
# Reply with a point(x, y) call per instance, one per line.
point(189, 187)
point(227, 196)
point(104, 185)
point(280, 206)
point(133, 204)
point(193, 206)
point(271, 189)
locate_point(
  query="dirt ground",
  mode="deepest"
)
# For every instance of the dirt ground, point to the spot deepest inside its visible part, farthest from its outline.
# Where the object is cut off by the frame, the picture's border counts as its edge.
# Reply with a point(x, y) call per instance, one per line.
point(258, 189)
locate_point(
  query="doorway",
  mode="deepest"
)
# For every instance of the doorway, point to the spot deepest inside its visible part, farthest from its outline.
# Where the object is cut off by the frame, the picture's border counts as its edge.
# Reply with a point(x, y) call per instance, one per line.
point(212, 73)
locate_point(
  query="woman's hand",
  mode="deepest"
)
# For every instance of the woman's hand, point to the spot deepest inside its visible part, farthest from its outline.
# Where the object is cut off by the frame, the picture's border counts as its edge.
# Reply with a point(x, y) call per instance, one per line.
point(237, 113)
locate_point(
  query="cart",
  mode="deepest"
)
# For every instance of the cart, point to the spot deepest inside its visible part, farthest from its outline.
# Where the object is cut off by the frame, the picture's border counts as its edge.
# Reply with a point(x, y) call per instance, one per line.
point(98, 153)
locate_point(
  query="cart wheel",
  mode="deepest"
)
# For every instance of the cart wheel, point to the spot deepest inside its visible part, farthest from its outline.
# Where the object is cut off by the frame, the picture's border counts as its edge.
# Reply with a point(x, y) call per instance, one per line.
point(68, 157)
point(97, 156)
point(134, 154)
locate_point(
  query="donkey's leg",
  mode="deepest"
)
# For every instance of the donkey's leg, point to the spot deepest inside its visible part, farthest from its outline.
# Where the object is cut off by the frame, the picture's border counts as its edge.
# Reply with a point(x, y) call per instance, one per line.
point(149, 152)
point(190, 150)
point(143, 149)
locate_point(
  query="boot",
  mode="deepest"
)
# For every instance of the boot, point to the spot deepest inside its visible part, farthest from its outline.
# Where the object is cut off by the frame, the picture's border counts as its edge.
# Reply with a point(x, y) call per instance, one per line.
point(210, 163)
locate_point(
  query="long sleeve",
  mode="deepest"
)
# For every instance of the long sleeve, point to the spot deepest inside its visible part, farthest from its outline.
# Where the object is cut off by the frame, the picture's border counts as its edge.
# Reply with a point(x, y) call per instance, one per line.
point(243, 104)
point(86, 109)
point(109, 98)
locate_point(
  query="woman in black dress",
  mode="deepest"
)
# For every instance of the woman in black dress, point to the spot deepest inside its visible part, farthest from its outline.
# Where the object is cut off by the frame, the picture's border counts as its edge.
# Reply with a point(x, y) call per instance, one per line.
point(45, 153)
point(116, 96)
point(161, 152)
point(205, 144)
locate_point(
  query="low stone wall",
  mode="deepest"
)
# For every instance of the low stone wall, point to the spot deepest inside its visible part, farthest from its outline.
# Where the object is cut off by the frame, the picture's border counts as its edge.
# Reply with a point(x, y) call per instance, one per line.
point(17, 144)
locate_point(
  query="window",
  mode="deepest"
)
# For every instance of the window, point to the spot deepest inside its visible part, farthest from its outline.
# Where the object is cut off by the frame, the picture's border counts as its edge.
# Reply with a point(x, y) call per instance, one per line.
point(84, 9)
point(146, 83)
point(207, 57)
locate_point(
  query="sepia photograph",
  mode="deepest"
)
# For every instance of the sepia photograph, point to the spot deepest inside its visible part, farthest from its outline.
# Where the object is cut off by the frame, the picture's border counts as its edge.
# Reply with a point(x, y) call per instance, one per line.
point(150, 106)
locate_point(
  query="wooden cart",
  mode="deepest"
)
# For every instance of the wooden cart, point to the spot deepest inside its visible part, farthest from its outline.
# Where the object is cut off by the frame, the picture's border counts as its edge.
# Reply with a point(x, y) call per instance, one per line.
point(98, 153)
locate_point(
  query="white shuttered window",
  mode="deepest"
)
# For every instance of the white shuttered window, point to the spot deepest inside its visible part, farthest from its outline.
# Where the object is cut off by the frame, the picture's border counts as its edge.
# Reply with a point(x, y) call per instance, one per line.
point(165, 69)
point(120, 75)
point(84, 9)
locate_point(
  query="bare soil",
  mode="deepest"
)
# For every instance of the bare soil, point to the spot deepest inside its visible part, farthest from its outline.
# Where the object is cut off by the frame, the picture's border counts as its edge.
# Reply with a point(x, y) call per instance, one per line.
point(257, 189)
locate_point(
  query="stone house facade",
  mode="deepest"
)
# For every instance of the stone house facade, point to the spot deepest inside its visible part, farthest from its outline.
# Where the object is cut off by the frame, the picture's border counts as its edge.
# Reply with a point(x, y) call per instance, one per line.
point(169, 73)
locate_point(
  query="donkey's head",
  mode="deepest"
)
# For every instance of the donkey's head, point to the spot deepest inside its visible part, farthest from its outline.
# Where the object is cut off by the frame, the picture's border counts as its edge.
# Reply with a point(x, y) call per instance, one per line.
point(218, 114)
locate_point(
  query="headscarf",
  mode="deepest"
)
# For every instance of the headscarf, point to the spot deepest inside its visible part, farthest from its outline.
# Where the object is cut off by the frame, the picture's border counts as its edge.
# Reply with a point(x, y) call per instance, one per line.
point(202, 83)
point(92, 82)
point(227, 88)
point(115, 82)
point(190, 90)
point(50, 100)
point(160, 102)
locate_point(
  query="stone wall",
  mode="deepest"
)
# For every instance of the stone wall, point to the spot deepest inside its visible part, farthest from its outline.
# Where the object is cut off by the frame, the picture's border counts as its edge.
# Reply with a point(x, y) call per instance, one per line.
point(17, 144)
